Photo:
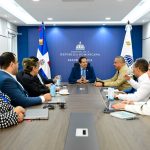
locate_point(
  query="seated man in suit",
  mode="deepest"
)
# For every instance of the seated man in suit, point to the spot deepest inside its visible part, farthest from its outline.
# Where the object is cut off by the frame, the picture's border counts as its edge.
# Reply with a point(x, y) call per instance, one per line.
point(10, 86)
point(8, 114)
point(82, 73)
point(28, 78)
point(118, 79)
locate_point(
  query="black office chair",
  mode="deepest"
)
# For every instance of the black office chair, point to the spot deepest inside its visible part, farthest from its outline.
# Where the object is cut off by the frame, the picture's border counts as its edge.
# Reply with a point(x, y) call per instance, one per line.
point(78, 65)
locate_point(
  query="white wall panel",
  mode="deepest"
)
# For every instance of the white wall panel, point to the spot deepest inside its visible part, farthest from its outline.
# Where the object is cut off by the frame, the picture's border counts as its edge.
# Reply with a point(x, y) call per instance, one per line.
point(146, 41)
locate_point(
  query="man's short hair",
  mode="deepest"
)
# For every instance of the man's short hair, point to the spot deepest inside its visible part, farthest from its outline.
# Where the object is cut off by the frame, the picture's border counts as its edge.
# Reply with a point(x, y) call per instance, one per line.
point(6, 58)
point(121, 58)
point(80, 59)
point(142, 64)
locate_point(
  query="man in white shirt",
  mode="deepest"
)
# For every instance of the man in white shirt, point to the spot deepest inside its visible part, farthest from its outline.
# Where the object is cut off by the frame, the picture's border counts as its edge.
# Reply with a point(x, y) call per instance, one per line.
point(142, 108)
point(140, 69)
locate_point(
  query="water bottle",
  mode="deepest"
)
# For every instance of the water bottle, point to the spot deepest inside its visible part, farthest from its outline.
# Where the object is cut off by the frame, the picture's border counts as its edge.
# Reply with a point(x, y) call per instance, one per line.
point(110, 93)
point(58, 81)
point(53, 90)
point(110, 98)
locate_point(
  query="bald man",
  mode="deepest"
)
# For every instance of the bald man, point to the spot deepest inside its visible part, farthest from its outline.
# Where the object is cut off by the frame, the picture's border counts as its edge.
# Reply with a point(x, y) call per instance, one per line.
point(118, 79)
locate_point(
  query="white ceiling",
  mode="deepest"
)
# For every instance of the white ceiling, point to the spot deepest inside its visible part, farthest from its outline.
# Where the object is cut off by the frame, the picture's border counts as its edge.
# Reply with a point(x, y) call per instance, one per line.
point(76, 10)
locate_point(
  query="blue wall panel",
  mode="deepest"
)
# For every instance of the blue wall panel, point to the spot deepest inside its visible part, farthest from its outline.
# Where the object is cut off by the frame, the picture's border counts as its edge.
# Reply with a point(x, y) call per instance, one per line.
point(102, 44)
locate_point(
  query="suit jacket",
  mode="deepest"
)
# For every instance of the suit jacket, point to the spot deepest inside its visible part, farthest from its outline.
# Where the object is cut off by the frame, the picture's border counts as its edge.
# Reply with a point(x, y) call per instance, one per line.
point(18, 95)
point(76, 74)
point(118, 79)
point(32, 84)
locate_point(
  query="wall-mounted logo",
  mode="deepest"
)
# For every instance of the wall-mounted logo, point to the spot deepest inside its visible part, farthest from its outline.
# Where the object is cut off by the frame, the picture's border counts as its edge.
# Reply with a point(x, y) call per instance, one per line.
point(80, 47)
point(73, 55)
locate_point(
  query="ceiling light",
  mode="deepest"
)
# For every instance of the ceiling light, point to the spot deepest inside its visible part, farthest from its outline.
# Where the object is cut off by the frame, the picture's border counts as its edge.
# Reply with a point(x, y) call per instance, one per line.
point(49, 19)
point(35, 0)
point(120, 0)
point(107, 18)
point(140, 10)
point(15, 9)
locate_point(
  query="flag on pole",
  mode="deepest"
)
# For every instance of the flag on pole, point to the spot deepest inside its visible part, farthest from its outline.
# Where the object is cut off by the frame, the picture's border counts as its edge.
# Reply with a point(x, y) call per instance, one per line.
point(42, 53)
point(127, 46)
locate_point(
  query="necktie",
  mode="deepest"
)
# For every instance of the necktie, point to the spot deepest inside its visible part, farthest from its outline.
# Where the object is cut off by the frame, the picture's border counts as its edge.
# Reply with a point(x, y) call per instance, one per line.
point(84, 73)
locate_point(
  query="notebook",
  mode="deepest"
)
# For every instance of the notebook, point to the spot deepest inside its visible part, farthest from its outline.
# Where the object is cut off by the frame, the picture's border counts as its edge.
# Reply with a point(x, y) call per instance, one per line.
point(123, 115)
point(36, 114)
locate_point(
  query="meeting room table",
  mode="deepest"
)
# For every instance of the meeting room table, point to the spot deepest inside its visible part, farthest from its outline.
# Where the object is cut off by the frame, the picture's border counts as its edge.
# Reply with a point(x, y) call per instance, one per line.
point(112, 133)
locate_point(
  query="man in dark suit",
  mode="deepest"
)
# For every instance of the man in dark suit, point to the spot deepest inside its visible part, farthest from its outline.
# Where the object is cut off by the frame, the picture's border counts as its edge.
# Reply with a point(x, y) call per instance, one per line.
point(10, 86)
point(82, 72)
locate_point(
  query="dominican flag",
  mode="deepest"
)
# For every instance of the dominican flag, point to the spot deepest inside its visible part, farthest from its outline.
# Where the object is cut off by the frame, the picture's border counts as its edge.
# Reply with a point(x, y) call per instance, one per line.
point(127, 46)
point(42, 53)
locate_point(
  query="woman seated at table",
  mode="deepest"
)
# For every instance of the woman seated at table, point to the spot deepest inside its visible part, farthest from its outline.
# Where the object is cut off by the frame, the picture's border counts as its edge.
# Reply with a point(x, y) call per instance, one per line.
point(29, 80)
point(8, 114)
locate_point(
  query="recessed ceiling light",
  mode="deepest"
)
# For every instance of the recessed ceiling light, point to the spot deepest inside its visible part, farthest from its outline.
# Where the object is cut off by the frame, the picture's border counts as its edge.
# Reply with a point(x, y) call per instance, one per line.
point(120, 0)
point(49, 19)
point(35, 0)
point(107, 18)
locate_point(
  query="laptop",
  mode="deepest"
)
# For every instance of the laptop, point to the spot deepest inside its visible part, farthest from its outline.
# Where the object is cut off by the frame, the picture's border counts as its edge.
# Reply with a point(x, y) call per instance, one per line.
point(106, 102)
point(39, 114)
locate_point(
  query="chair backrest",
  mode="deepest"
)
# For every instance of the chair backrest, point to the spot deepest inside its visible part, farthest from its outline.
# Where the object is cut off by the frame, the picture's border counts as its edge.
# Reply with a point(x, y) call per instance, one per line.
point(78, 65)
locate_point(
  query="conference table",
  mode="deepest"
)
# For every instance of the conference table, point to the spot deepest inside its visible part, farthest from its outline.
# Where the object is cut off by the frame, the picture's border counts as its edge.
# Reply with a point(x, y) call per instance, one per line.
point(112, 133)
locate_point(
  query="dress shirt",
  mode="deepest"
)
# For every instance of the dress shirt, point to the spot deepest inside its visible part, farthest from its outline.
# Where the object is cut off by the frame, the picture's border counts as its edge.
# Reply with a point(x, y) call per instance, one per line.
point(143, 89)
point(83, 72)
point(118, 79)
point(139, 107)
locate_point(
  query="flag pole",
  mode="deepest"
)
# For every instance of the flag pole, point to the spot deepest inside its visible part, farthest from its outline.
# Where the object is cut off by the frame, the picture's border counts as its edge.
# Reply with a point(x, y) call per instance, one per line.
point(127, 51)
